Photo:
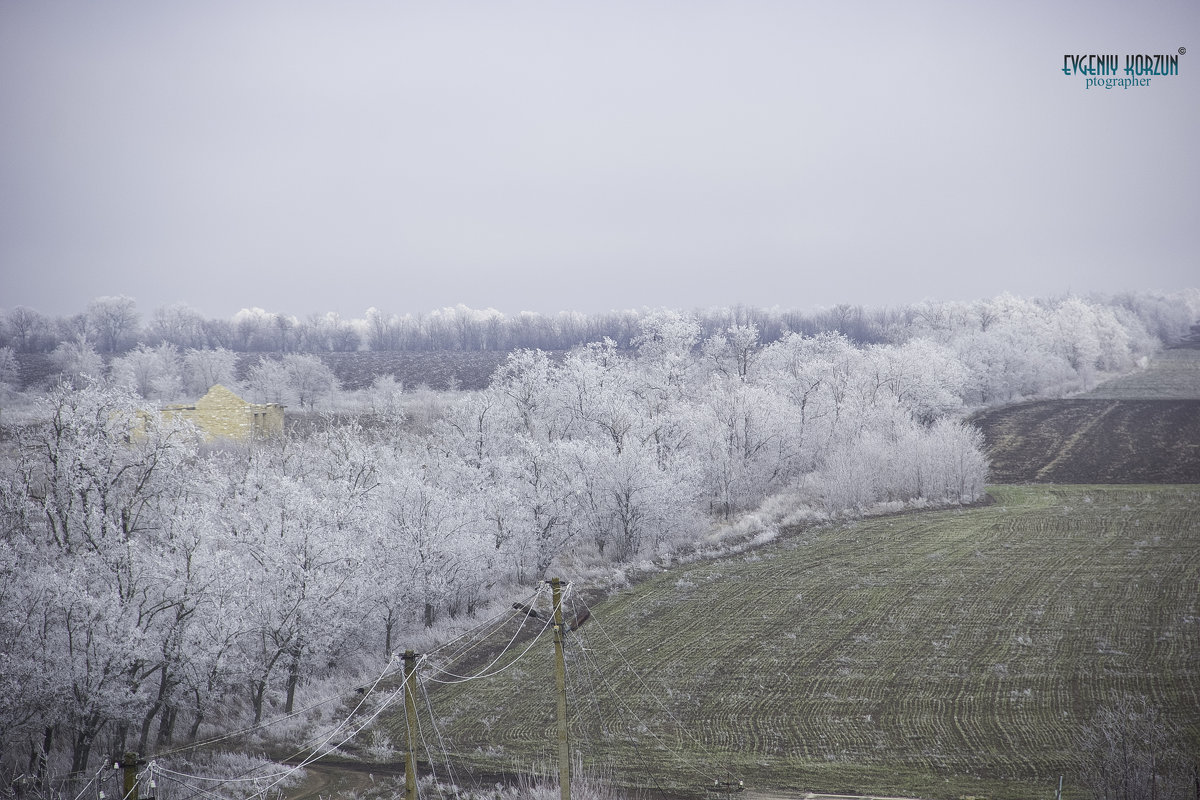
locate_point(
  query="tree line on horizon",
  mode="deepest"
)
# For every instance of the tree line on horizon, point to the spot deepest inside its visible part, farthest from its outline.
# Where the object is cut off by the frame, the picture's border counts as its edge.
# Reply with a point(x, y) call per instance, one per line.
point(1004, 344)
point(113, 325)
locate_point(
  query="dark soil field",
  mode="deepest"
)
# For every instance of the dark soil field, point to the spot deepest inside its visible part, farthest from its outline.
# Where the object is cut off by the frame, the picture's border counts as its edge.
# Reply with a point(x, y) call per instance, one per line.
point(1094, 441)
point(1139, 428)
point(439, 369)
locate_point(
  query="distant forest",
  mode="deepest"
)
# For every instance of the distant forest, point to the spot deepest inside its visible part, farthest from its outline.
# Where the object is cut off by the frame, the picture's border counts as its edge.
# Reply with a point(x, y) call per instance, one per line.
point(114, 325)
point(1009, 347)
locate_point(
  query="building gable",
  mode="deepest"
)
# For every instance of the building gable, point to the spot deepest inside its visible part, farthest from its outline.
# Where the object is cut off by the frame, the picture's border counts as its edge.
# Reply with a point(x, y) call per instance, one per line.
point(222, 414)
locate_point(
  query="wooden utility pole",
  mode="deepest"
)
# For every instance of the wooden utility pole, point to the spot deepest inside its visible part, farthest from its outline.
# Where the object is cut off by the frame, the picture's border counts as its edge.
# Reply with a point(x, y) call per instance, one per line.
point(560, 682)
point(129, 766)
point(410, 713)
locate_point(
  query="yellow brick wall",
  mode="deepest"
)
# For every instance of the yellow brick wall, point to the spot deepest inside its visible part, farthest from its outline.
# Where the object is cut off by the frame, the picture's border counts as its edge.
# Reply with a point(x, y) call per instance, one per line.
point(221, 413)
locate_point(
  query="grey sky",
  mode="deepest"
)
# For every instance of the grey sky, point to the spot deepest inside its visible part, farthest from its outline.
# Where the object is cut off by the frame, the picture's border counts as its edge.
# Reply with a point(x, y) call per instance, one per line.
point(309, 157)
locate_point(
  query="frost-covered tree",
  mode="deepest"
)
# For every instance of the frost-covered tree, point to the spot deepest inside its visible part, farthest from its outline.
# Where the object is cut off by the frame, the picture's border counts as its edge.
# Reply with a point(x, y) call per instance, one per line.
point(253, 330)
point(745, 438)
point(427, 517)
point(385, 396)
point(269, 382)
point(594, 396)
point(151, 372)
point(203, 369)
point(78, 363)
point(27, 331)
point(179, 325)
point(924, 378)
point(383, 330)
point(734, 351)
point(539, 485)
point(81, 499)
point(627, 504)
point(1130, 751)
point(295, 553)
point(806, 372)
point(525, 383)
point(309, 378)
point(113, 322)
point(10, 370)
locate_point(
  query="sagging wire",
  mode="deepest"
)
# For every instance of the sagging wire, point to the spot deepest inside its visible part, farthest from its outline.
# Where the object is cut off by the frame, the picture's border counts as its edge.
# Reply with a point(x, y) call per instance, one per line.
point(501, 616)
point(424, 739)
point(408, 726)
point(441, 741)
point(505, 668)
point(64, 777)
point(425, 666)
point(602, 728)
point(649, 692)
point(138, 777)
point(317, 757)
point(195, 790)
point(367, 693)
point(92, 780)
point(484, 672)
point(314, 755)
point(316, 745)
point(647, 767)
point(252, 728)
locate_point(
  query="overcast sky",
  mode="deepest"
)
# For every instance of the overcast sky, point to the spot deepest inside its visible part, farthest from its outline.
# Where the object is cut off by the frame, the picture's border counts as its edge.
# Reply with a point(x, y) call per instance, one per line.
point(310, 157)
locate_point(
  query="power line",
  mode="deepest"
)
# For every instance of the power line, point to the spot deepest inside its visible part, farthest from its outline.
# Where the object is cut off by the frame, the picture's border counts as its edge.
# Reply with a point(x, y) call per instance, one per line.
point(503, 616)
point(484, 673)
point(647, 768)
point(441, 741)
point(251, 729)
point(91, 781)
point(652, 694)
point(245, 776)
point(321, 746)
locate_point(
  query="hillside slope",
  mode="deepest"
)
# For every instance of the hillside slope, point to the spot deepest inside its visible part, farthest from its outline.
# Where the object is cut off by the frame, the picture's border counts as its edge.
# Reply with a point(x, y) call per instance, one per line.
point(1139, 428)
point(1093, 441)
point(938, 655)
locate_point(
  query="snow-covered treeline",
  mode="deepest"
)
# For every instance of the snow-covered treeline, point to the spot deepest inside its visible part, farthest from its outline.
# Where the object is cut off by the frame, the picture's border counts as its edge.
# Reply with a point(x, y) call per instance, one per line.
point(1010, 347)
point(153, 586)
point(114, 325)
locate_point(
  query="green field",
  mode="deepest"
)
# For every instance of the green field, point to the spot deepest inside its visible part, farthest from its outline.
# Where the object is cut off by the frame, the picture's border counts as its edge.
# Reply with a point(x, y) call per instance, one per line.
point(939, 654)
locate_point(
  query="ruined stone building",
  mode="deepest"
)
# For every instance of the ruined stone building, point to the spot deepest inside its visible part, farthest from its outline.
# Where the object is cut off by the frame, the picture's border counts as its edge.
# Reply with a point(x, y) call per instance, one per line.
point(222, 414)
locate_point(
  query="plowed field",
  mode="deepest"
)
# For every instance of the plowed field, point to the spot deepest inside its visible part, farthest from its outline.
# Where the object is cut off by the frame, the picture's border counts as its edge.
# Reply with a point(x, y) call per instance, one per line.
point(1094, 441)
point(1140, 428)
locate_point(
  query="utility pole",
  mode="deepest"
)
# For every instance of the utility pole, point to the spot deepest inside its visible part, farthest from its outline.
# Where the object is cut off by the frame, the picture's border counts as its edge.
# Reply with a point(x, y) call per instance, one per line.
point(129, 766)
point(560, 681)
point(410, 712)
